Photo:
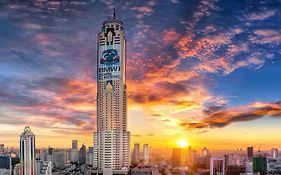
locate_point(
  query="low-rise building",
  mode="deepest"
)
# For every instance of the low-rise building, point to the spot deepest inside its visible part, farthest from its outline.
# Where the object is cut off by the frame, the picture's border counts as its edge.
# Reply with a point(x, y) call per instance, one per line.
point(43, 168)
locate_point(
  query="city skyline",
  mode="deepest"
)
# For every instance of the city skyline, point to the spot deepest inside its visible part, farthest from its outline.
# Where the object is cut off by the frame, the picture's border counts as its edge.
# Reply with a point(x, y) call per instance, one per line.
point(207, 72)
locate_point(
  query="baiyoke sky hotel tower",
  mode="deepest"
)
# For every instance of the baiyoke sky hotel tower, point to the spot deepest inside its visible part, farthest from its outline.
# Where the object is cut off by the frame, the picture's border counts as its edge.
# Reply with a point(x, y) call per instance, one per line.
point(111, 139)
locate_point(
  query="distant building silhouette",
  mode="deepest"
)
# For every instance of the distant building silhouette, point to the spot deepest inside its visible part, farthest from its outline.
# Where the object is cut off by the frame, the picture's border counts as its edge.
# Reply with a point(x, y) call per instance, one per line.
point(136, 154)
point(179, 157)
point(82, 154)
point(250, 153)
point(74, 144)
point(145, 154)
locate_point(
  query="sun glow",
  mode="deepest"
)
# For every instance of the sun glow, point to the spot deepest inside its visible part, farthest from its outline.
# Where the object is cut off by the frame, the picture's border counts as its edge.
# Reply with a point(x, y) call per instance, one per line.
point(182, 143)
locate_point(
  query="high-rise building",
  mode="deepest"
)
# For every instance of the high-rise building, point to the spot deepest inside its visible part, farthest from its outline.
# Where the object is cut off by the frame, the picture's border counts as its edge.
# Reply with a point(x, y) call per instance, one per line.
point(74, 155)
point(59, 158)
point(27, 152)
point(136, 153)
point(179, 157)
point(145, 154)
point(226, 160)
point(5, 165)
point(250, 153)
point(111, 139)
point(191, 157)
point(82, 154)
point(74, 144)
point(274, 152)
point(217, 166)
point(74, 152)
point(89, 157)
point(96, 151)
point(260, 165)
point(1, 149)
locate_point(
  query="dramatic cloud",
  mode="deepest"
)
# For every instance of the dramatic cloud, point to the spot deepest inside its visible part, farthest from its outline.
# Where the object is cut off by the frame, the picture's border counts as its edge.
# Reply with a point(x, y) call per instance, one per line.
point(218, 117)
point(50, 103)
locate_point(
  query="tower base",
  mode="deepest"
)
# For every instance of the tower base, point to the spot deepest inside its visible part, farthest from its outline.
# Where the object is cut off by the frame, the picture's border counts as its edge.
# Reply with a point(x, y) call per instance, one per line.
point(106, 172)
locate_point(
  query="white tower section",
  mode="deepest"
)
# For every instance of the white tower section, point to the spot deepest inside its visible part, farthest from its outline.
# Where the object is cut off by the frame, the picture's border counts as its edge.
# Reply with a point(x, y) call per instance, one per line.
point(111, 140)
point(145, 153)
point(27, 152)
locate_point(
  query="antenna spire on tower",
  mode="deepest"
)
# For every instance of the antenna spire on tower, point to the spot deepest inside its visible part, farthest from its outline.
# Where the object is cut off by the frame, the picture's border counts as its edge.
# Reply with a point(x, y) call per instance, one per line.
point(114, 13)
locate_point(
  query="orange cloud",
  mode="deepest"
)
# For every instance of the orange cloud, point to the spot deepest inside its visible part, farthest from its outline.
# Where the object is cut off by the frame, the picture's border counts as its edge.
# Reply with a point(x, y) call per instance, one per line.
point(170, 36)
point(217, 117)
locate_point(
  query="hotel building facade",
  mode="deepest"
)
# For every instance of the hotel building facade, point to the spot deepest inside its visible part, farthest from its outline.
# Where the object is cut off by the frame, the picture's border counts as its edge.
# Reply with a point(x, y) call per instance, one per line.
point(111, 139)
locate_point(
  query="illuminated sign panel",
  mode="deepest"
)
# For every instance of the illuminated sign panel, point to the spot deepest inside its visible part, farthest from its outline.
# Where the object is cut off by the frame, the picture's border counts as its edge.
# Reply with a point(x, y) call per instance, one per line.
point(109, 65)
point(109, 56)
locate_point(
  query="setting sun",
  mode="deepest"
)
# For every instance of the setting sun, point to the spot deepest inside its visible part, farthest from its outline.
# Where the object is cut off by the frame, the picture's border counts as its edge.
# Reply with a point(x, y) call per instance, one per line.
point(182, 143)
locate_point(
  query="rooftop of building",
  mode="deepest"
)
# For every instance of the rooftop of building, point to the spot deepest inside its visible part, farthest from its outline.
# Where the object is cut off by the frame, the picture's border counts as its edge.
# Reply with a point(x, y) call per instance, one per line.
point(112, 19)
point(27, 131)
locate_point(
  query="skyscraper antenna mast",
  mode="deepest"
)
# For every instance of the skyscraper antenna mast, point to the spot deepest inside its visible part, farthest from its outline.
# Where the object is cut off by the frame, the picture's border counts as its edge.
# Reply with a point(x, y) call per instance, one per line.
point(114, 13)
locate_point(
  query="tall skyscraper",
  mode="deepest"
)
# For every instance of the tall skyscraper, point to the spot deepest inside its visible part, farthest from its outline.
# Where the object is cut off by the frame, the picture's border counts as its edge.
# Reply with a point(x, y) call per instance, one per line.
point(27, 152)
point(111, 139)
point(145, 153)
point(74, 144)
point(136, 153)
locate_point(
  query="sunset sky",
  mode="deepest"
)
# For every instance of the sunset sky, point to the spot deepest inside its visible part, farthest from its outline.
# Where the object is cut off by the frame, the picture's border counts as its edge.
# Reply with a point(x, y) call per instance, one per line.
point(205, 71)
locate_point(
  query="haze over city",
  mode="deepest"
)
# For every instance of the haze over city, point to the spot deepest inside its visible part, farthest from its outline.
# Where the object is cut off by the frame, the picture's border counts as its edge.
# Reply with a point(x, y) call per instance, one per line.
point(201, 73)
